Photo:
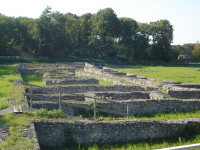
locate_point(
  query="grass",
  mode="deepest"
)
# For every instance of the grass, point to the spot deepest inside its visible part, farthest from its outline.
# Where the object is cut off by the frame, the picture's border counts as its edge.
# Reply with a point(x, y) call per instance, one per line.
point(181, 72)
point(19, 122)
point(32, 79)
point(103, 82)
point(8, 89)
point(178, 73)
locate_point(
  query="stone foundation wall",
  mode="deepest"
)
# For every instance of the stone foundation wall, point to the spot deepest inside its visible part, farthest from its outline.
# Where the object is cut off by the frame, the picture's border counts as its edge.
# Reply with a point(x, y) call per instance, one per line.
point(144, 106)
point(186, 85)
point(58, 133)
point(183, 91)
point(68, 110)
point(69, 81)
point(184, 94)
point(41, 71)
point(46, 73)
point(148, 106)
point(64, 97)
point(102, 72)
point(114, 78)
point(84, 89)
point(120, 95)
point(100, 77)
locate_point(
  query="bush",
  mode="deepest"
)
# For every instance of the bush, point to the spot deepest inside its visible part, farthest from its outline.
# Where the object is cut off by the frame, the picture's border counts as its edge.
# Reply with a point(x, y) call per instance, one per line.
point(43, 112)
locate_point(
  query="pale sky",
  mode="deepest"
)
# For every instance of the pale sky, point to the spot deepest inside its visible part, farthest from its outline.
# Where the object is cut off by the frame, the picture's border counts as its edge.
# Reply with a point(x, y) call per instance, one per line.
point(184, 15)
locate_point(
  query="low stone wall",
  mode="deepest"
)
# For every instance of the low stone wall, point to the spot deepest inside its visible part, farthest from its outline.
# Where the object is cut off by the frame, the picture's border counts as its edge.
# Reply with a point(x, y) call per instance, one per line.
point(120, 95)
point(121, 78)
point(68, 110)
point(144, 106)
point(40, 71)
point(103, 72)
point(64, 97)
point(43, 73)
point(84, 89)
point(184, 94)
point(30, 133)
point(186, 85)
point(58, 133)
point(28, 71)
point(182, 91)
point(130, 95)
point(60, 65)
point(69, 81)
point(100, 77)
point(94, 64)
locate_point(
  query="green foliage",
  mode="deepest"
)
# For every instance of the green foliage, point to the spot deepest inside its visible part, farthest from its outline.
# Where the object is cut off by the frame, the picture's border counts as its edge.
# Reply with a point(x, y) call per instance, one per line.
point(185, 49)
point(43, 112)
point(161, 33)
point(101, 35)
point(105, 29)
point(196, 52)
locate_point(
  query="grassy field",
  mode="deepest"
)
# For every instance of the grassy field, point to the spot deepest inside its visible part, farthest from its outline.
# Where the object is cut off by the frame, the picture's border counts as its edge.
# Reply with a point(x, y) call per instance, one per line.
point(8, 89)
point(32, 79)
point(181, 74)
point(165, 71)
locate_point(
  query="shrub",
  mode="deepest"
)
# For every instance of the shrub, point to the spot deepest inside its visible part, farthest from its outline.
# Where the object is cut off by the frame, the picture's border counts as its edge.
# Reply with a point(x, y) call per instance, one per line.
point(43, 112)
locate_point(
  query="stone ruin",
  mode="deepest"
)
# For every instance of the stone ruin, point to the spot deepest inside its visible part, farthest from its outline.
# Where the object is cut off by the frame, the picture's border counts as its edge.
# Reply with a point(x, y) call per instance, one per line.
point(83, 79)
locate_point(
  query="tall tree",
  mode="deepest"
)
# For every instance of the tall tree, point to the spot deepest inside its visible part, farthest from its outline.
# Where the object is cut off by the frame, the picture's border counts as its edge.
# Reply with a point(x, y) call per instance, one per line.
point(127, 35)
point(161, 36)
point(45, 44)
point(105, 30)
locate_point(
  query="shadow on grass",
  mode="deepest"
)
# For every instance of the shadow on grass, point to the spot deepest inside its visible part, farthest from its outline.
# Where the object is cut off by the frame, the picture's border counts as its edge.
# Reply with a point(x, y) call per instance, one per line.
point(90, 60)
point(6, 70)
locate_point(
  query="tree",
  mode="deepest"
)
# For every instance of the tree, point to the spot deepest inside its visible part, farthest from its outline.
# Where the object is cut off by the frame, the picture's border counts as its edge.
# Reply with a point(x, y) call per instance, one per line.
point(127, 35)
point(105, 30)
point(161, 36)
point(187, 48)
point(196, 52)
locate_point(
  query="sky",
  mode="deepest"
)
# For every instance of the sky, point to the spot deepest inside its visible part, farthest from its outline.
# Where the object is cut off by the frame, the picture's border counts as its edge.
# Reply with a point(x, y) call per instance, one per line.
point(184, 15)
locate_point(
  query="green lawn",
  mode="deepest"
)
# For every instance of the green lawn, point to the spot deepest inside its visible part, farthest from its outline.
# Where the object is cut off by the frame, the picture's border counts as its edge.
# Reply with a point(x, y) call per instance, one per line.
point(8, 90)
point(32, 79)
point(178, 73)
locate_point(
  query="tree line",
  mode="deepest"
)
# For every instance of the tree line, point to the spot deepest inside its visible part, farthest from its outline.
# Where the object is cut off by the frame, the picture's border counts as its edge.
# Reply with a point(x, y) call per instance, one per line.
point(192, 49)
point(102, 35)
